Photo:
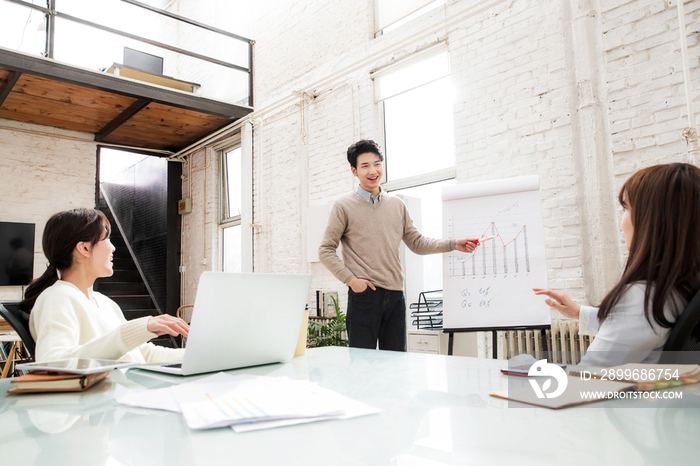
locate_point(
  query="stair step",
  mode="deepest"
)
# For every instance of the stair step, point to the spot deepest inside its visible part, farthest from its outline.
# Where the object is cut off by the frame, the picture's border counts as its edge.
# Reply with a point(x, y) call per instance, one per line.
point(122, 276)
point(122, 253)
point(114, 288)
point(131, 314)
point(133, 302)
point(122, 263)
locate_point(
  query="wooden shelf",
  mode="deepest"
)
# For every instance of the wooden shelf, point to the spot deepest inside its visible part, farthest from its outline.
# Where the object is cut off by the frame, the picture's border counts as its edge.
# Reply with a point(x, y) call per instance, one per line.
point(14, 353)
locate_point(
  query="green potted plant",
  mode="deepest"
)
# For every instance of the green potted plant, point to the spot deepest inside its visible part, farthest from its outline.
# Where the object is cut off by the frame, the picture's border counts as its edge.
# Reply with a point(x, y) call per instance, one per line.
point(329, 333)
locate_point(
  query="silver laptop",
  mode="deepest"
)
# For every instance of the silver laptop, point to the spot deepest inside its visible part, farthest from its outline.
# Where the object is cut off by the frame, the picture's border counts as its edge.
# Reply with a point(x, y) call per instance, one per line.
point(240, 320)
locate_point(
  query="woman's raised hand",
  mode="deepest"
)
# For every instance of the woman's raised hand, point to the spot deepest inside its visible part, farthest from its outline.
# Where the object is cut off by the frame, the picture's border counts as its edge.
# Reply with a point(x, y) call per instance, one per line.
point(560, 301)
point(162, 324)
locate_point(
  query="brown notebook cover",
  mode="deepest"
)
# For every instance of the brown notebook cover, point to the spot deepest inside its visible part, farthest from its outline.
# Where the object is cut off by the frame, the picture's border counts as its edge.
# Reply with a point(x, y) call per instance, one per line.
point(599, 389)
point(37, 383)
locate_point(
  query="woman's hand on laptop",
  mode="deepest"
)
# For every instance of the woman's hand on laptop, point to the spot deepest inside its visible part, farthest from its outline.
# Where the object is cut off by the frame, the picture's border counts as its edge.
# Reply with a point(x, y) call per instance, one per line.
point(160, 325)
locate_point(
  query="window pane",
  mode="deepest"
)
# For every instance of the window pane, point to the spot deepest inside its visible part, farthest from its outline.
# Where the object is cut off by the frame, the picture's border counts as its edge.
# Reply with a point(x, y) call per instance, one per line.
point(412, 72)
point(22, 28)
point(233, 174)
point(419, 135)
point(232, 249)
point(388, 12)
point(114, 162)
point(430, 225)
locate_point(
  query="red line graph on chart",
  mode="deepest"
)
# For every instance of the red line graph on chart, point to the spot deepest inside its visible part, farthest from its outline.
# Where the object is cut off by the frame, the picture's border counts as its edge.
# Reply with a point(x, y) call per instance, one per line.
point(498, 235)
point(497, 259)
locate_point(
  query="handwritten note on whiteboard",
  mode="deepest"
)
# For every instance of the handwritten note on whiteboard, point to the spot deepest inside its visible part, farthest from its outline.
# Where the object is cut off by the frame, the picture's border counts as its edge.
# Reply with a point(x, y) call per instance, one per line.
point(492, 287)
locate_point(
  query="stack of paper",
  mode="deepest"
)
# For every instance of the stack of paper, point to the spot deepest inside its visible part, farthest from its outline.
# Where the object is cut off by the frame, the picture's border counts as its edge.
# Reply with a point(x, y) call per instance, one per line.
point(246, 402)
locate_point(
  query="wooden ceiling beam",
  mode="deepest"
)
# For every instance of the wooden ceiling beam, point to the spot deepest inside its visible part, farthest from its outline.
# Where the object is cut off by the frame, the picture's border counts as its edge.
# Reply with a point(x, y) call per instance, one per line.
point(7, 86)
point(132, 110)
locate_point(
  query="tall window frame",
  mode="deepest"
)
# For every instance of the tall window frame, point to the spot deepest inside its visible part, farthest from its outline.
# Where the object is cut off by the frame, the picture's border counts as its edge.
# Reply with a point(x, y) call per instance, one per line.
point(240, 220)
point(231, 196)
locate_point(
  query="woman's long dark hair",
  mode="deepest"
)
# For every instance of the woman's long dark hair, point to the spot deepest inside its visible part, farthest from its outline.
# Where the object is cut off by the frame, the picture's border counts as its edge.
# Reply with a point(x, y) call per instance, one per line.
point(62, 232)
point(664, 203)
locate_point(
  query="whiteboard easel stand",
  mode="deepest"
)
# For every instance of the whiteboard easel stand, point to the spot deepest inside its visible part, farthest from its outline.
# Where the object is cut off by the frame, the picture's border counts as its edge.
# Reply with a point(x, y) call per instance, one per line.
point(494, 330)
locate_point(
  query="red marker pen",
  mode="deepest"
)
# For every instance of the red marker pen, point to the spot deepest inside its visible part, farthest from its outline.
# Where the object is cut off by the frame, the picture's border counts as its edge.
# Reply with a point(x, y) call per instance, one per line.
point(485, 238)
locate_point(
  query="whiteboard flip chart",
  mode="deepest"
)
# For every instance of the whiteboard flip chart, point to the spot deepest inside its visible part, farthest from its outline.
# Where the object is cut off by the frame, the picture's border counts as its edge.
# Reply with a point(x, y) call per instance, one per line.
point(492, 287)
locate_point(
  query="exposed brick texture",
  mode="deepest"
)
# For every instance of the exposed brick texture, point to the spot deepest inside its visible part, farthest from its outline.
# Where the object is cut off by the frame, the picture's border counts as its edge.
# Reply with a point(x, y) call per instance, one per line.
point(44, 171)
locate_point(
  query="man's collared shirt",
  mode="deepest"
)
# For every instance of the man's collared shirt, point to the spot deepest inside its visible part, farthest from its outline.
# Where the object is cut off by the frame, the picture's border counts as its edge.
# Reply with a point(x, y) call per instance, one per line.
point(367, 196)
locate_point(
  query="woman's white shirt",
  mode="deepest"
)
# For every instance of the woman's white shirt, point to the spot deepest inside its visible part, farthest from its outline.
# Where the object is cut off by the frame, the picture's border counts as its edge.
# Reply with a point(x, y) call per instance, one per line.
point(66, 324)
point(626, 335)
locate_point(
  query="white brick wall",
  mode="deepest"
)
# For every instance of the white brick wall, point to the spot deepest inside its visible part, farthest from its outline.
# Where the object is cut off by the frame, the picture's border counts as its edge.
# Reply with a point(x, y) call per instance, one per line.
point(44, 171)
point(512, 112)
point(647, 102)
point(200, 232)
point(296, 39)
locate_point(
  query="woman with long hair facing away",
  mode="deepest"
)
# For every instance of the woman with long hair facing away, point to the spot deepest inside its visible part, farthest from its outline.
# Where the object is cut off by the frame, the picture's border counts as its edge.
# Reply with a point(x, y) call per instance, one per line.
point(70, 320)
point(661, 225)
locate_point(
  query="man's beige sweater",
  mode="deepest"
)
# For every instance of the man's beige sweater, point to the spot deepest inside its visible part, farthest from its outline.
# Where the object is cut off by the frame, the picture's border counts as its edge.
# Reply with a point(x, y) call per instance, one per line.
point(371, 235)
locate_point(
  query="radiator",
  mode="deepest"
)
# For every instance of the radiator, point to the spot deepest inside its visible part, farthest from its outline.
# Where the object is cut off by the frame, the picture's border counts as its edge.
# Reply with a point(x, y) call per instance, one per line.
point(563, 340)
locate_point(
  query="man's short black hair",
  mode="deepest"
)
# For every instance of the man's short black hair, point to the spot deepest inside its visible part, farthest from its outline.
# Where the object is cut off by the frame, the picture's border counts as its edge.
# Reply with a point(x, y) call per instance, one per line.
point(362, 147)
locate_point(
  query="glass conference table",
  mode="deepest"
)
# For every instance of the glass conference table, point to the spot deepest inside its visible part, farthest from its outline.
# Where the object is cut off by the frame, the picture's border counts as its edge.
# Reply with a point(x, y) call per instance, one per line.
point(435, 410)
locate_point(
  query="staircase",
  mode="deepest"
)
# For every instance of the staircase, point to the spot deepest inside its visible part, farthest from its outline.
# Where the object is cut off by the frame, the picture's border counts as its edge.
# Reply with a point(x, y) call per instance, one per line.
point(125, 286)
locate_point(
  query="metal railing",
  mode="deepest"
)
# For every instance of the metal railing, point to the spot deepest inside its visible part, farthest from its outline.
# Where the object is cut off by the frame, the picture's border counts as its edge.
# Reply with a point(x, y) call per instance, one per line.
point(52, 13)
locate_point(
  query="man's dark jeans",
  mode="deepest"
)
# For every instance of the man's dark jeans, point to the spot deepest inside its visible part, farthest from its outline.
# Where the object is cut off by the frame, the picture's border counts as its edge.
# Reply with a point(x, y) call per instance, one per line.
point(377, 315)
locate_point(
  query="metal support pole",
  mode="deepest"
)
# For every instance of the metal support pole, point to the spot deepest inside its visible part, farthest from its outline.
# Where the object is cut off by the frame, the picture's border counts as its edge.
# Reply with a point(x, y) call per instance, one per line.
point(50, 28)
point(250, 72)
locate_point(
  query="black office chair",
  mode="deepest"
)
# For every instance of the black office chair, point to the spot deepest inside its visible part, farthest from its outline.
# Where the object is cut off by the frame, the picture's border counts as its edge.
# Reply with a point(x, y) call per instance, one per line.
point(11, 312)
point(683, 344)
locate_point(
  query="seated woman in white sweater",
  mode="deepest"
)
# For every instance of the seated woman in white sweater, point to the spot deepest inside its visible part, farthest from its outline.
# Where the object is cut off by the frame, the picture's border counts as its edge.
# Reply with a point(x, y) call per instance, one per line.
point(661, 225)
point(70, 320)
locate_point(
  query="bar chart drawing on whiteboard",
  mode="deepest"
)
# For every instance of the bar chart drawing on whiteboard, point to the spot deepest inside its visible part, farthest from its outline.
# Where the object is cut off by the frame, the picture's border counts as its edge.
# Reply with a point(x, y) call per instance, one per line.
point(500, 256)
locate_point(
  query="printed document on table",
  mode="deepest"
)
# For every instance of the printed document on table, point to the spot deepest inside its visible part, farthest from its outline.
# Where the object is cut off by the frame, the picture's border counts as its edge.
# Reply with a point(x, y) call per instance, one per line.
point(161, 398)
point(351, 408)
point(206, 406)
point(246, 402)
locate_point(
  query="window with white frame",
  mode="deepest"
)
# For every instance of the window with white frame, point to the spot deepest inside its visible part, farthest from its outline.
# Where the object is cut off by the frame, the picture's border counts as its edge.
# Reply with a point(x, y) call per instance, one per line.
point(415, 101)
point(231, 195)
point(414, 98)
point(392, 14)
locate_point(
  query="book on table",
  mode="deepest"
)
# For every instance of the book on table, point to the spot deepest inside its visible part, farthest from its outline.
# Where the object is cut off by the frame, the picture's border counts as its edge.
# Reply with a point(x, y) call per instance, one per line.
point(42, 382)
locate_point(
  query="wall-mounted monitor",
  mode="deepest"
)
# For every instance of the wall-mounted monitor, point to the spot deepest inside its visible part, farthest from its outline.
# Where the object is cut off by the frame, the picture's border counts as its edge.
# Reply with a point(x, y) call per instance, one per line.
point(16, 253)
point(143, 61)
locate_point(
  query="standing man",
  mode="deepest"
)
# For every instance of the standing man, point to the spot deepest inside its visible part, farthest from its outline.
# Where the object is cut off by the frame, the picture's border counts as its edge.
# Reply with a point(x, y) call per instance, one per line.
point(370, 224)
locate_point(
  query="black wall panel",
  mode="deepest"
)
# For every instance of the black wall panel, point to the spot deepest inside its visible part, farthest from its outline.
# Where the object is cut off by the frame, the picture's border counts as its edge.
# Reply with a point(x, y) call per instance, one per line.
point(138, 199)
